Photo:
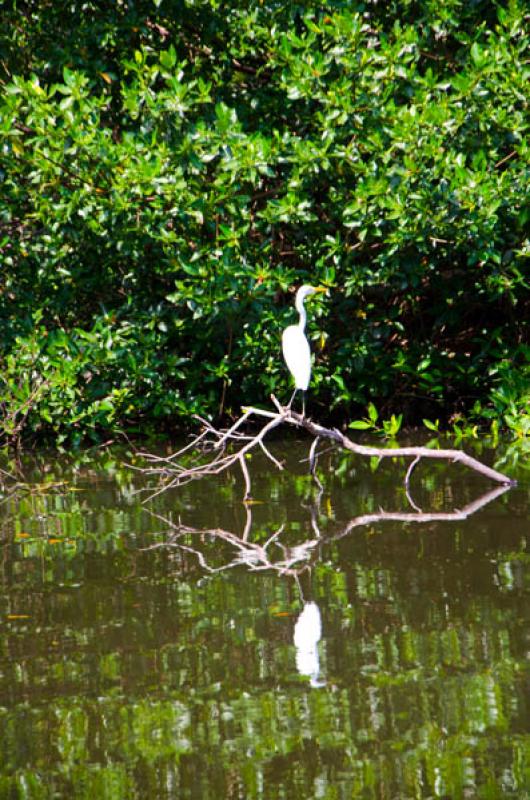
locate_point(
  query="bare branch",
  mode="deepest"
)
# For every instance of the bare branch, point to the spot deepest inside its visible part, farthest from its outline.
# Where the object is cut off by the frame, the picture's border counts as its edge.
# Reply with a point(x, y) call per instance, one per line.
point(231, 446)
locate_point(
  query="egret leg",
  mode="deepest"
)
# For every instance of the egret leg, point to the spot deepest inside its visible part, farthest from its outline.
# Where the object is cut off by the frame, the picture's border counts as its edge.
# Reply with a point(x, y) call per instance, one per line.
point(303, 404)
point(289, 404)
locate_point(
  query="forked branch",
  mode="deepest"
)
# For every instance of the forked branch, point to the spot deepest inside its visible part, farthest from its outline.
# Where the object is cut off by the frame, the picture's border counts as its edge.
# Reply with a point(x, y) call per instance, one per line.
point(217, 450)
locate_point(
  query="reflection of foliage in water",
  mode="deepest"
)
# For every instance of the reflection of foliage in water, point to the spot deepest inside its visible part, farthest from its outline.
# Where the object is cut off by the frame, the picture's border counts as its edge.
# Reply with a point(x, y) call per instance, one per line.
point(129, 673)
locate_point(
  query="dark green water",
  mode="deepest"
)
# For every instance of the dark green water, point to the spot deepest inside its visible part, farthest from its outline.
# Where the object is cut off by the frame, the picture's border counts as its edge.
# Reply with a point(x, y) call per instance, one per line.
point(321, 657)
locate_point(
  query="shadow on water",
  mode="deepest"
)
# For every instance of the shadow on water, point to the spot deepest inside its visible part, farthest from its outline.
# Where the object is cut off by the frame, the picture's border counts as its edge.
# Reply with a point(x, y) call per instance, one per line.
point(354, 642)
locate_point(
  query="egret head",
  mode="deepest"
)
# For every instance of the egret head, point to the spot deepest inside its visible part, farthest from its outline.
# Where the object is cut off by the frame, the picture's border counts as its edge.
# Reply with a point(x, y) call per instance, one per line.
point(306, 291)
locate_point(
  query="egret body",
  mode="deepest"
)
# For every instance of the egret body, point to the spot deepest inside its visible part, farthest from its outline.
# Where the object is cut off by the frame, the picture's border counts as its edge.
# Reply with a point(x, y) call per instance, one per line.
point(295, 346)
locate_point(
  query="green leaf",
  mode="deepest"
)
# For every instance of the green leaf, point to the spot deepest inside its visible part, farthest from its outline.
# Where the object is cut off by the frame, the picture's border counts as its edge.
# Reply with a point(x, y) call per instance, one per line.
point(372, 413)
point(168, 58)
point(360, 425)
point(432, 426)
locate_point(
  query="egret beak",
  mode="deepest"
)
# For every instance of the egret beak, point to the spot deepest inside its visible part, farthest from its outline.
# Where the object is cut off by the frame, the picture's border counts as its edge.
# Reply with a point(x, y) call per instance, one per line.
point(321, 290)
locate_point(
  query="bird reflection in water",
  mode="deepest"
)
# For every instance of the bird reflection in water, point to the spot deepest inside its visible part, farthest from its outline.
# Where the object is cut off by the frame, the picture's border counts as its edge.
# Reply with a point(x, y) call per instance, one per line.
point(307, 633)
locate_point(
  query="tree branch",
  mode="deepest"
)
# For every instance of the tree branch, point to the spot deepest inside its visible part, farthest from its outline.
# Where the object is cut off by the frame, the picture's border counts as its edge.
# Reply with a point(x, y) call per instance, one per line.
point(219, 450)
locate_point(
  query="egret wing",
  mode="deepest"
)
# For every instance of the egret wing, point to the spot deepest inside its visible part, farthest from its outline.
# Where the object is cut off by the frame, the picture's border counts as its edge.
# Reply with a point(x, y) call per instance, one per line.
point(297, 355)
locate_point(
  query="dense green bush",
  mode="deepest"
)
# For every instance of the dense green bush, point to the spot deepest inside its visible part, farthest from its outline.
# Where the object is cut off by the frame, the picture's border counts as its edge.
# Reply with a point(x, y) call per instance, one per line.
point(171, 170)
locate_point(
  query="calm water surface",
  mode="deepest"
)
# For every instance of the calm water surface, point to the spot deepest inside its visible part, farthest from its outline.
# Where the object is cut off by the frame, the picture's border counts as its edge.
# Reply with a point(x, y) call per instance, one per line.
point(300, 647)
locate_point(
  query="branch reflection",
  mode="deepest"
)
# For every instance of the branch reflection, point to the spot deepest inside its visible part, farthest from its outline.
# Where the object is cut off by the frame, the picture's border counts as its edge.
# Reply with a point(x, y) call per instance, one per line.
point(294, 559)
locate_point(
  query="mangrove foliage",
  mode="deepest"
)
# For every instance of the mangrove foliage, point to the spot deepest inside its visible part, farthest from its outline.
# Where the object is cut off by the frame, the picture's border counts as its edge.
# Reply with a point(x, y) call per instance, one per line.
point(171, 170)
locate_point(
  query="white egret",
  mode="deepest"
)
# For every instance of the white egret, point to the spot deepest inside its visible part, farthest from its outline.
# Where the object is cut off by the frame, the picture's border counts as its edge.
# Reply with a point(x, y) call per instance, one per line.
point(295, 346)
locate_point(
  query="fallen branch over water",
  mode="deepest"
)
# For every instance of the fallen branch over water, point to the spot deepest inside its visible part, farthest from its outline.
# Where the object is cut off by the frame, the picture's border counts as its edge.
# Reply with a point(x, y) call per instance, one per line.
point(227, 448)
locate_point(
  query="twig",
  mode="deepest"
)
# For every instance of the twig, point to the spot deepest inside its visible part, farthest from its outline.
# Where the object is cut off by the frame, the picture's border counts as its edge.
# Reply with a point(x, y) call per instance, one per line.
point(411, 501)
point(409, 471)
point(313, 462)
point(269, 455)
point(505, 159)
point(246, 476)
